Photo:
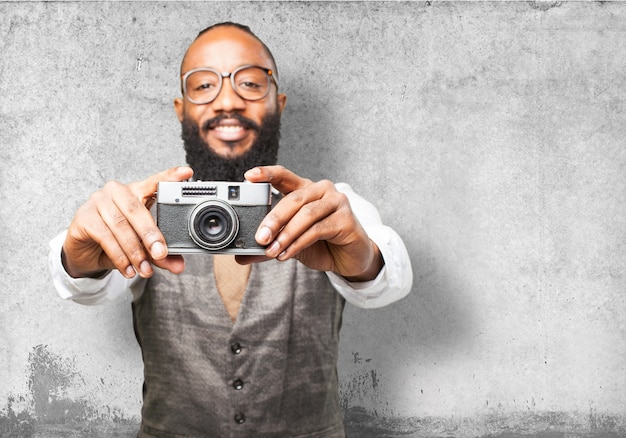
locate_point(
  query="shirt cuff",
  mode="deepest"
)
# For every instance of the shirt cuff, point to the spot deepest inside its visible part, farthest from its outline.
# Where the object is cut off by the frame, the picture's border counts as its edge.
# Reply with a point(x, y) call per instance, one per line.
point(85, 290)
point(360, 293)
point(393, 281)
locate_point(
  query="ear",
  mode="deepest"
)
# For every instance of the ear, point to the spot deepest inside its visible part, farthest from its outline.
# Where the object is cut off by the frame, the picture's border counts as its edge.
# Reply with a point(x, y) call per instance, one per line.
point(178, 107)
point(281, 100)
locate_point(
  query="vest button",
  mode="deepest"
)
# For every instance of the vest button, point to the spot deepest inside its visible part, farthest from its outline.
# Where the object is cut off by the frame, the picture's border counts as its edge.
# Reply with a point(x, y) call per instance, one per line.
point(235, 348)
point(240, 418)
point(238, 384)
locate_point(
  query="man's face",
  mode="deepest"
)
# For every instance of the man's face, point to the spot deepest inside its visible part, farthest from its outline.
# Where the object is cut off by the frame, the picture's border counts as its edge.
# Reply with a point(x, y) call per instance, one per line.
point(229, 125)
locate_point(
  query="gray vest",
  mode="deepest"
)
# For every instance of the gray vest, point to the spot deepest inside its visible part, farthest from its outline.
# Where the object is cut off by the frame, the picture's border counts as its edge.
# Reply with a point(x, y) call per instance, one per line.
point(272, 373)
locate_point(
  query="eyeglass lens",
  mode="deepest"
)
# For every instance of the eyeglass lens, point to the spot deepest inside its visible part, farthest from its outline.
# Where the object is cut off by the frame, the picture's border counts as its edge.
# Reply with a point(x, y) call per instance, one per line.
point(250, 83)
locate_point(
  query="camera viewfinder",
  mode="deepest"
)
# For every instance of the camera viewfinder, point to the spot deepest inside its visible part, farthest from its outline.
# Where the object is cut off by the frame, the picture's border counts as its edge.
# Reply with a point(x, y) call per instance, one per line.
point(233, 193)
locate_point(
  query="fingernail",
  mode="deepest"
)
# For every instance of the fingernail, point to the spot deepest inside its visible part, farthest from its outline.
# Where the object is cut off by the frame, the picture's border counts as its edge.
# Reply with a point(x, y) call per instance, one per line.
point(253, 171)
point(273, 249)
point(158, 250)
point(145, 269)
point(130, 271)
point(264, 235)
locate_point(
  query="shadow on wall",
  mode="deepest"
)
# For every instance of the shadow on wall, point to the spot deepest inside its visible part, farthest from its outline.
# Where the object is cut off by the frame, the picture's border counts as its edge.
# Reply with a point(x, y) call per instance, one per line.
point(309, 134)
point(435, 315)
point(432, 321)
point(58, 404)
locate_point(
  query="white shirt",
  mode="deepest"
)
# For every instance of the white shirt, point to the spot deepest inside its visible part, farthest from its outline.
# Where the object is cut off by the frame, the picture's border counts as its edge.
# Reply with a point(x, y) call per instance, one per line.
point(392, 283)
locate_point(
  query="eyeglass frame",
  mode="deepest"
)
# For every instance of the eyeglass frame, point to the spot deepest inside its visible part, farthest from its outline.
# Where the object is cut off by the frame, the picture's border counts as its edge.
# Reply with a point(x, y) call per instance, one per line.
point(268, 71)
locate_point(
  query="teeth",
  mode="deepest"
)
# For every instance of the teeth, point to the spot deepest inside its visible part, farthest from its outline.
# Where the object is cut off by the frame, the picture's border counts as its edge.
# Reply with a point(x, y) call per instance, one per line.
point(229, 128)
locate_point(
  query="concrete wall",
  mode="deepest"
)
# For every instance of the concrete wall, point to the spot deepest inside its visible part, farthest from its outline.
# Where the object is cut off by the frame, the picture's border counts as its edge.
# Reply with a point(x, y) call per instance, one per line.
point(491, 135)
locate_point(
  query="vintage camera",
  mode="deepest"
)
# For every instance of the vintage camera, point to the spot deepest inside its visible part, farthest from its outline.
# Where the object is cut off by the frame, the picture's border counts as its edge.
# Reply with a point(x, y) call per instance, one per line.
point(212, 216)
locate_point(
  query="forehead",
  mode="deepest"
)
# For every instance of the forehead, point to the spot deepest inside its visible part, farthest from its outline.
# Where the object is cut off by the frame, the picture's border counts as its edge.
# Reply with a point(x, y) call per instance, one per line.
point(225, 48)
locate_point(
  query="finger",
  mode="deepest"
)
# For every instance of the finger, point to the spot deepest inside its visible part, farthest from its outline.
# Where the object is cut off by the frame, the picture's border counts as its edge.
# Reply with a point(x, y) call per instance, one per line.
point(113, 257)
point(315, 222)
point(90, 246)
point(143, 222)
point(173, 263)
point(305, 201)
point(283, 180)
point(286, 250)
point(131, 227)
point(105, 247)
point(250, 259)
point(145, 190)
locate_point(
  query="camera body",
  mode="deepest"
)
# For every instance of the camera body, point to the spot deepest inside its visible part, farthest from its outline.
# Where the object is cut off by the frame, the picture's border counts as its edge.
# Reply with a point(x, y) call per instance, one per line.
point(217, 217)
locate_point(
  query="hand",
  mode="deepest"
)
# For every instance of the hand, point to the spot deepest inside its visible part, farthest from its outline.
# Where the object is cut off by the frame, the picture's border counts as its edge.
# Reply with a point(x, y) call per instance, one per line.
point(114, 229)
point(315, 224)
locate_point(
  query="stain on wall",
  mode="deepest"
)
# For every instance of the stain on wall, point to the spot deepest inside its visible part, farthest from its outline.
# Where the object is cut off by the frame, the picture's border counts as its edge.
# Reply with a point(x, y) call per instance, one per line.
point(58, 403)
point(362, 424)
point(368, 414)
point(16, 424)
point(362, 387)
point(53, 385)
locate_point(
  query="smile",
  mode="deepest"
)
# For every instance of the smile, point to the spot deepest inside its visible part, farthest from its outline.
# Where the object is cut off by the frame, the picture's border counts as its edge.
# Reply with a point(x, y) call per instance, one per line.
point(229, 128)
point(229, 131)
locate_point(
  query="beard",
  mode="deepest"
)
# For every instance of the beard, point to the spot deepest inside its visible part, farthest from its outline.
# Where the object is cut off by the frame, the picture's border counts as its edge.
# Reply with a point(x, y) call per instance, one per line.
point(208, 166)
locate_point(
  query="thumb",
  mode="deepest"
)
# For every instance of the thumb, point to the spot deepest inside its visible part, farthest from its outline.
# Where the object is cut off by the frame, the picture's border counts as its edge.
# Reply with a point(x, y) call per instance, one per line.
point(146, 189)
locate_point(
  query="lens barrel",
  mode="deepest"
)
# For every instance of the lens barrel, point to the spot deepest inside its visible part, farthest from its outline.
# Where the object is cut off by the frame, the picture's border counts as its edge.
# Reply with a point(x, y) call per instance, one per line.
point(213, 224)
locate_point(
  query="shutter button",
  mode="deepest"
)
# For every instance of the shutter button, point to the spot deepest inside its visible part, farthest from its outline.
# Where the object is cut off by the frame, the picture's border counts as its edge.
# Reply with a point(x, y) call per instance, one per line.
point(240, 418)
point(235, 348)
point(238, 384)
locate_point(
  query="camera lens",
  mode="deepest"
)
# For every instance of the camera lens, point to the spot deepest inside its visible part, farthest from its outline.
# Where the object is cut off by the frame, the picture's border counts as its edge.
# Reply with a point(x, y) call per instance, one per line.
point(213, 225)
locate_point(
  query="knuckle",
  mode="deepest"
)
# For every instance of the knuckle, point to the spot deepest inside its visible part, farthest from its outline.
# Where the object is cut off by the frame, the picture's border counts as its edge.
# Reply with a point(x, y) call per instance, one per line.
point(98, 229)
point(151, 234)
point(342, 198)
point(296, 197)
point(134, 250)
point(313, 208)
point(120, 260)
point(345, 219)
point(119, 219)
point(134, 187)
point(96, 198)
point(133, 205)
point(344, 206)
point(85, 209)
point(273, 172)
point(271, 219)
point(319, 228)
point(110, 186)
point(285, 236)
point(339, 199)
point(326, 184)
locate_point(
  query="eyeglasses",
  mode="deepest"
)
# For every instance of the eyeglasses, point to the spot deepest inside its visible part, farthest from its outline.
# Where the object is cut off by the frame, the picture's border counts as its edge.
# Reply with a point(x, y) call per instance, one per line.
point(250, 82)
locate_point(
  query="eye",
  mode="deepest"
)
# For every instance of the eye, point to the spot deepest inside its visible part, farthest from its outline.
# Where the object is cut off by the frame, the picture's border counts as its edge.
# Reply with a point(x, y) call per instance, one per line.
point(251, 80)
point(202, 81)
point(249, 85)
point(204, 86)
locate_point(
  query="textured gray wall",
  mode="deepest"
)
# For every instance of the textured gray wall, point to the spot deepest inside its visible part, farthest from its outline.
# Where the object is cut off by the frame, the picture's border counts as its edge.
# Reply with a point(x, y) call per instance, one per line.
point(491, 136)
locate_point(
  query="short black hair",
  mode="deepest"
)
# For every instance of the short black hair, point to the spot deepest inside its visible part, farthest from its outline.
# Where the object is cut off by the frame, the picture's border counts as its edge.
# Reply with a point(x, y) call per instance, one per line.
point(246, 29)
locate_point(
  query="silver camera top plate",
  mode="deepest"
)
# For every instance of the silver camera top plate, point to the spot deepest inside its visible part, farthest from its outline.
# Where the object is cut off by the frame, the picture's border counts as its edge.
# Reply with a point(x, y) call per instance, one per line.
point(235, 193)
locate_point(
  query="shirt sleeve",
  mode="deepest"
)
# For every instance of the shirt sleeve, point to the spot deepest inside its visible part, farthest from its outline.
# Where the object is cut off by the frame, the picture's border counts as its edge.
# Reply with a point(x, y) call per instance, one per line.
point(395, 280)
point(87, 291)
point(392, 283)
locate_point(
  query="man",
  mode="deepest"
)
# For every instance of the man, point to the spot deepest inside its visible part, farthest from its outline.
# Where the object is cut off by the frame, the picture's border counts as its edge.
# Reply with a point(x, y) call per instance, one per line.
point(233, 346)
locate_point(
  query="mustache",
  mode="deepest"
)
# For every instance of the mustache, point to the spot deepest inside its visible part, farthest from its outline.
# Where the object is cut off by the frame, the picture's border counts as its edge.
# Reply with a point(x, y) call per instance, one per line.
point(245, 122)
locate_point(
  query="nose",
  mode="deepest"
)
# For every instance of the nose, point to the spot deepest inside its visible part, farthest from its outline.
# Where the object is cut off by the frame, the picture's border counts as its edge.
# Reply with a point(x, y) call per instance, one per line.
point(227, 99)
